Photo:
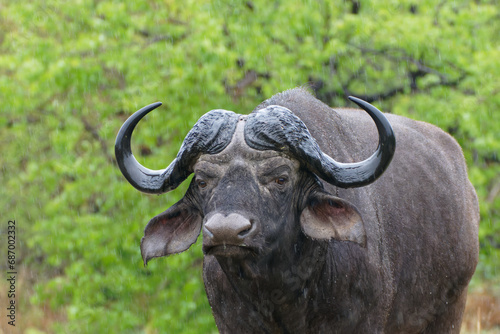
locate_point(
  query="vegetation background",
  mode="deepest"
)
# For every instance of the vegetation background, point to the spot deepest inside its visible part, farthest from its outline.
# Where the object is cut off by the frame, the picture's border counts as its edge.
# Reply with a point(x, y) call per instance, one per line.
point(72, 71)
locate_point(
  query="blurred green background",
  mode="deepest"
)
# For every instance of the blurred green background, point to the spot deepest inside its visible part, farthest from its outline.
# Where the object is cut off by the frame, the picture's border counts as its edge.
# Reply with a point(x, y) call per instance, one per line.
point(72, 71)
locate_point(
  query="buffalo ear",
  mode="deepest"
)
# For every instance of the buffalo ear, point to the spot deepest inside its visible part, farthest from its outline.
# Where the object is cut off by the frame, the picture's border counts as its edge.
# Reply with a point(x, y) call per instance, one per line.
point(329, 217)
point(172, 231)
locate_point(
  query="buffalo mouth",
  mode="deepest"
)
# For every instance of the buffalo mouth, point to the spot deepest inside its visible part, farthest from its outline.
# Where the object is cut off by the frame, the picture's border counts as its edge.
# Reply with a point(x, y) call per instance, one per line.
point(228, 250)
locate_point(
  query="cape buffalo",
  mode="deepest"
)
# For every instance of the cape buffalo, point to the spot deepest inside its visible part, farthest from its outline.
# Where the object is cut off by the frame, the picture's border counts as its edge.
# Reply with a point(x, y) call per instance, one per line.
point(297, 242)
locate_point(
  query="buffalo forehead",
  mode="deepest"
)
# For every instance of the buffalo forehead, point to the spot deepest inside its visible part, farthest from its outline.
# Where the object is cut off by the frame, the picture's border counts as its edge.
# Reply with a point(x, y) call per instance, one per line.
point(247, 153)
point(238, 150)
point(248, 156)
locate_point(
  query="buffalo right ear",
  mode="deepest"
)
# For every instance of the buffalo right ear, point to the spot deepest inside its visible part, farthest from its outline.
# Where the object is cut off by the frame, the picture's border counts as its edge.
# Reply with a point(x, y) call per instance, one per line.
point(329, 217)
point(172, 231)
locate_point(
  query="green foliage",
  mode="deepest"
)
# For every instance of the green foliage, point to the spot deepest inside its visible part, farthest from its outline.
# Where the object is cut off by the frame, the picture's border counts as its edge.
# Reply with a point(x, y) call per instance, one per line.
point(73, 71)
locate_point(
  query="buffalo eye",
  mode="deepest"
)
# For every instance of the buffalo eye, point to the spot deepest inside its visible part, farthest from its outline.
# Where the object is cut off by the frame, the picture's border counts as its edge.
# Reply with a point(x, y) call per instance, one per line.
point(201, 183)
point(281, 180)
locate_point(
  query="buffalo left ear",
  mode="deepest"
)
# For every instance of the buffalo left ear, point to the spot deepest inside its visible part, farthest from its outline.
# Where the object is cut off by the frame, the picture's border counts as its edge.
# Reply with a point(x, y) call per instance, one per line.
point(172, 231)
point(329, 217)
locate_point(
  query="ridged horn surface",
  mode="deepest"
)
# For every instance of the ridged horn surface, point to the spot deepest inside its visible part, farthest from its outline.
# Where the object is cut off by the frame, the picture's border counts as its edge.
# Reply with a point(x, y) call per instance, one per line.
point(277, 128)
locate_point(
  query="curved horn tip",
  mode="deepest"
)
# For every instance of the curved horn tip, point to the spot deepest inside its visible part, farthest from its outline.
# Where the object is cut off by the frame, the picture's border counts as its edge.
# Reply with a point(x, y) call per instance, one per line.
point(140, 177)
point(151, 106)
point(131, 122)
point(357, 100)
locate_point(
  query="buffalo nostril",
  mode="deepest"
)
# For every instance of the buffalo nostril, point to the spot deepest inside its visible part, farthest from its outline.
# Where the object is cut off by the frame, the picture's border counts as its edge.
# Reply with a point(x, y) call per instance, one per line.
point(244, 232)
point(207, 232)
point(246, 229)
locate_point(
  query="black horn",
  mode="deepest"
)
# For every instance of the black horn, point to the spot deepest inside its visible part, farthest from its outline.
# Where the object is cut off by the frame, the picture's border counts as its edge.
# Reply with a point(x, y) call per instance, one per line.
point(277, 128)
point(210, 135)
point(142, 178)
point(367, 171)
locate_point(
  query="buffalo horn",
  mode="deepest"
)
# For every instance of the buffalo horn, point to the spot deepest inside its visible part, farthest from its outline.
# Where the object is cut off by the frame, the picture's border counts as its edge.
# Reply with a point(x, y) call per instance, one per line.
point(277, 128)
point(347, 175)
point(142, 178)
point(210, 135)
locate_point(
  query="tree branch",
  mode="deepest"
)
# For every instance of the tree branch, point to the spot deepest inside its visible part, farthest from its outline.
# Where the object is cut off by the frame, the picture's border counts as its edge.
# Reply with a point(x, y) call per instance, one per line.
point(393, 55)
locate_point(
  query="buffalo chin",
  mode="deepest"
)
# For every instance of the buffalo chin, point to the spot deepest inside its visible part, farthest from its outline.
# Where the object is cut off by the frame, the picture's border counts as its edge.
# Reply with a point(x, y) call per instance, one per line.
point(227, 250)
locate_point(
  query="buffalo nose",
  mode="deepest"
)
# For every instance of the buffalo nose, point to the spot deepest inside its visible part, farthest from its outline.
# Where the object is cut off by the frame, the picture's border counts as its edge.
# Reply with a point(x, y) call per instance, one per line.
point(230, 229)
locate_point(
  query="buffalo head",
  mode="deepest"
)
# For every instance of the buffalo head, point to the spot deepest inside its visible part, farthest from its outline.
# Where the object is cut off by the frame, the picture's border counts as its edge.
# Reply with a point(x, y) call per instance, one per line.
point(256, 180)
